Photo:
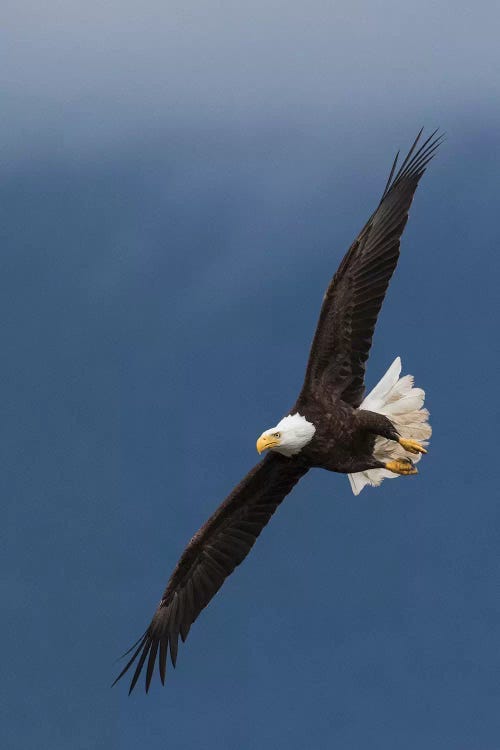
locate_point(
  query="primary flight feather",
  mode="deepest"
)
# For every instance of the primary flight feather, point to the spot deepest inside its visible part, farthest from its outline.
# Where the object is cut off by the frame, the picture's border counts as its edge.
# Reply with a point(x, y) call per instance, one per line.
point(330, 426)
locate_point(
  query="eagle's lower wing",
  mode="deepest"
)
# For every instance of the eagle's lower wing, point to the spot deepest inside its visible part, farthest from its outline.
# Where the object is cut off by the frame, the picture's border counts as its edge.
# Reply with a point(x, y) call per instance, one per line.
point(211, 555)
point(353, 300)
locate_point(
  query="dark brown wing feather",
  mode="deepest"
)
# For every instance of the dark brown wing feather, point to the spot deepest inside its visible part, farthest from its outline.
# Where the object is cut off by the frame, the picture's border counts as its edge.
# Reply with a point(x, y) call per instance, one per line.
point(353, 300)
point(210, 557)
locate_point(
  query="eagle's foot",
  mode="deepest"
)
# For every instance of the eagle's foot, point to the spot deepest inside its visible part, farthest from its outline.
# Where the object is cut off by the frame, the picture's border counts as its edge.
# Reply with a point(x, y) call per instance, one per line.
point(403, 466)
point(412, 446)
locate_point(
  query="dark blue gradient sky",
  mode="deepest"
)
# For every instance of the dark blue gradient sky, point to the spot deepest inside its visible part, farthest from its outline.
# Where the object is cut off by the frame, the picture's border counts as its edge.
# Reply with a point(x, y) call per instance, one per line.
point(178, 188)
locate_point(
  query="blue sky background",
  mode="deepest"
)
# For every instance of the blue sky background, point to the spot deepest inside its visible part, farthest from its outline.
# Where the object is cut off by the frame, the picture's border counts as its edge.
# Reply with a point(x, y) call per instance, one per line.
point(179, 183)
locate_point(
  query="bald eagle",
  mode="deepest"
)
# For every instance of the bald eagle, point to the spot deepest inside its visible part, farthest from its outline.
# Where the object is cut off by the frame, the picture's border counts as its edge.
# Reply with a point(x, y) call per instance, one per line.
point(331, 425)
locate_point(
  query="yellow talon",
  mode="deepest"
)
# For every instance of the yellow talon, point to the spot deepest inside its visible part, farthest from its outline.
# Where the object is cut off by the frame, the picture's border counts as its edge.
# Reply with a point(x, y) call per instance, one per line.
point(401, 467)
point(412, 446)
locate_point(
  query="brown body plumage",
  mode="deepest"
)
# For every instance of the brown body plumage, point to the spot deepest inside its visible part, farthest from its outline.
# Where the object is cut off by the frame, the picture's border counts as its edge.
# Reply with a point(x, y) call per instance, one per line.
point(344, 436)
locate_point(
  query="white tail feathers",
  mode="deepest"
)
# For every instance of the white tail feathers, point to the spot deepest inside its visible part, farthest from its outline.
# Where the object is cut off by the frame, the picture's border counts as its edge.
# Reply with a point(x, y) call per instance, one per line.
point(402, 403)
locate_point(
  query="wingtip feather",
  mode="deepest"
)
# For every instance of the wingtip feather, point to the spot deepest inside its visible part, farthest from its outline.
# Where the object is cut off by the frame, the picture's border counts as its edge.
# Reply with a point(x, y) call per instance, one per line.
point(415, 161)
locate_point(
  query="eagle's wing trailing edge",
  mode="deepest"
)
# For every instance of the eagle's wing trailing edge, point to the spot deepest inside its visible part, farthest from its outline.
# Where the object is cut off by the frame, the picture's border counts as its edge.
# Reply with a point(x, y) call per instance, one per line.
point(210, 557)
point(354, 297)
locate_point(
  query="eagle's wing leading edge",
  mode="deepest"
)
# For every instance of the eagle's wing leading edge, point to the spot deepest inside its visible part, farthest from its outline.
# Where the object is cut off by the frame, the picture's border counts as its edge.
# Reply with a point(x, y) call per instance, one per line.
point(354, 297)
point(210, 557)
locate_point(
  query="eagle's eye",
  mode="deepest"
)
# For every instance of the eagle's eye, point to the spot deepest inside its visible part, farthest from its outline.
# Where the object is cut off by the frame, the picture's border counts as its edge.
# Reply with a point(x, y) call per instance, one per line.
point(277, 434)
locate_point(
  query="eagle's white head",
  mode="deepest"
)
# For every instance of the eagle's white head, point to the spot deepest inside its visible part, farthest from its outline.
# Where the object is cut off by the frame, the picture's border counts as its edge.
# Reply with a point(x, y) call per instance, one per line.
point(288, 437)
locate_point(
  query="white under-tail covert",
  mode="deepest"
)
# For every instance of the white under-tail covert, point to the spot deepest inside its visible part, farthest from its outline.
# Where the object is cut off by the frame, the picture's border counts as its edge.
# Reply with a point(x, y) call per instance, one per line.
point(403, 405)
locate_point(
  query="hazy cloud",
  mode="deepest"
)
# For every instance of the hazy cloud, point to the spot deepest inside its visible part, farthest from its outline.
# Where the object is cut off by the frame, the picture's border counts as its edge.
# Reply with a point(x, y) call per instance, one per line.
point(78, 75)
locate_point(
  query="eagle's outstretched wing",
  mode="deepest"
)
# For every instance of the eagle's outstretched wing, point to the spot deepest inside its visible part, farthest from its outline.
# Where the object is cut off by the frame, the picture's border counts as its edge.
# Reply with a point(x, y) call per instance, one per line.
point(211, 555)
point(354, 297)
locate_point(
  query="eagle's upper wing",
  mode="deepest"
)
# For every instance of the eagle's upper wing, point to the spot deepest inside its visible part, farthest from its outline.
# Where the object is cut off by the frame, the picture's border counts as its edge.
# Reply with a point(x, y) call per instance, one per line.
point(211, 555)
point(353, 300)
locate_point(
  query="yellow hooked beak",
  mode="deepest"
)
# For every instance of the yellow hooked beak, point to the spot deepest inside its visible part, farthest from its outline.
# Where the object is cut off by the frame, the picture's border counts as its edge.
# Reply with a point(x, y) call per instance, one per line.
point(267, 441)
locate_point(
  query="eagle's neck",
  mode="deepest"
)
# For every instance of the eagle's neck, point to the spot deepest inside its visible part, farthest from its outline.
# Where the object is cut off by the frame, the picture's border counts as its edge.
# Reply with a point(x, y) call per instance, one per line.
point(296, 433)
